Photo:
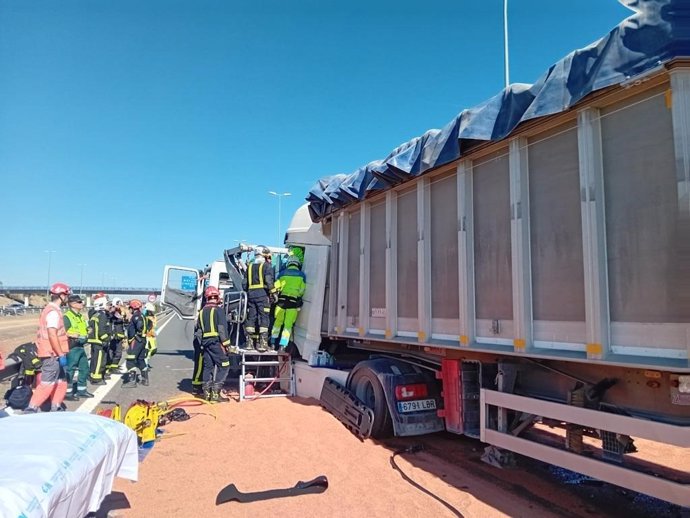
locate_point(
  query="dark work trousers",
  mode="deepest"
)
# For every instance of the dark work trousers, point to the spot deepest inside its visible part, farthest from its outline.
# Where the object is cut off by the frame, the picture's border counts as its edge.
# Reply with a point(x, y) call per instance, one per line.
point(114, 354)
point(136, 354)
point(97, 361)
point(77, 363)
point(258, 314)
point(215, 359)
point(197, 374)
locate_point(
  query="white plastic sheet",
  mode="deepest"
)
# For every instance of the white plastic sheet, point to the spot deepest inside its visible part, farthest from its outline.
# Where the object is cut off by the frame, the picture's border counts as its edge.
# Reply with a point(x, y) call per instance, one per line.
point(61, 464)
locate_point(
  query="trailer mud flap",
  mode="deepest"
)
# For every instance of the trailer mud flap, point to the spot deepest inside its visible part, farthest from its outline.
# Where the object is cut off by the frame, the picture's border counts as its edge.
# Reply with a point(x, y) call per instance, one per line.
point(349, 410)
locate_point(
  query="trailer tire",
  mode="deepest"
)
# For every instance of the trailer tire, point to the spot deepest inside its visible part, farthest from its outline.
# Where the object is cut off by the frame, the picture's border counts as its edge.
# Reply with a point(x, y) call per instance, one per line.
point(367, 387)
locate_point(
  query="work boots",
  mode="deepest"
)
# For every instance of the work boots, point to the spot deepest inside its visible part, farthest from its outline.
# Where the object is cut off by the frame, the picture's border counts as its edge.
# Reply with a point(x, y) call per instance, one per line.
point(249, 345)
point(216, 396)
point(129, 379)
point(263, 343)
point(208, 393)
point(72, 394)
point(145, 378)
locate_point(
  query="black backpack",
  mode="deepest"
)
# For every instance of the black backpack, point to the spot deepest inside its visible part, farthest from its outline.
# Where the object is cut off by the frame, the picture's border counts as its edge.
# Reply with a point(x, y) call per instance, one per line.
point(19, 396)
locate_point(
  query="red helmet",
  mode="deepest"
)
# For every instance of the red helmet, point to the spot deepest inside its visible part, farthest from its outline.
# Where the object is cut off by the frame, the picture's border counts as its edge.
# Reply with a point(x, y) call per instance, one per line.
point(135, 304)
point(212, 293)
point(60, 288)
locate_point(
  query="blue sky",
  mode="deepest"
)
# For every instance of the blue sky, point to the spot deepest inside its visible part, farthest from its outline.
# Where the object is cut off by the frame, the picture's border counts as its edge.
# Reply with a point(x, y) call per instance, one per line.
point(139, 133)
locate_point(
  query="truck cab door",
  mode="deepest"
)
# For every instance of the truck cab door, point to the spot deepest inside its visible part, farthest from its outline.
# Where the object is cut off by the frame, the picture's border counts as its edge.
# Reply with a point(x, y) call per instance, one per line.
point(182, 289)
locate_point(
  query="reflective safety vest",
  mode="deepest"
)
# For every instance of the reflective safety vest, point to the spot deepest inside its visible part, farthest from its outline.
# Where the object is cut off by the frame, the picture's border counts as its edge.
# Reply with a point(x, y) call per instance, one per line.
point(255, 281)
point(208, 325)
point(77, 324)
point(44, 350)
point(208, 329)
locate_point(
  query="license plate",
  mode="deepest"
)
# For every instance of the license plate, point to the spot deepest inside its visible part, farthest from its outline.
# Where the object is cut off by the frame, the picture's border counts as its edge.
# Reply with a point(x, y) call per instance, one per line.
point(418, 405)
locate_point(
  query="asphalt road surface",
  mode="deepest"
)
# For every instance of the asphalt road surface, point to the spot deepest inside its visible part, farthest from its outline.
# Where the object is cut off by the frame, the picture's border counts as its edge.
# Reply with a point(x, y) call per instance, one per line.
point(171, 370)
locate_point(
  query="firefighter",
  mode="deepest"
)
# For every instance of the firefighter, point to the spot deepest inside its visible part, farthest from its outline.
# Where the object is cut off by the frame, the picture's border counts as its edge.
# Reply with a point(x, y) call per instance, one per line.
point(99, 338)
point(114, 350)
point(51, 349)
point(136, 351)
point(77, 361)
point(98, 295)
point(212, 333)
point(259, 287)
point(197, 375)
point(151, 348)
point(290, 287)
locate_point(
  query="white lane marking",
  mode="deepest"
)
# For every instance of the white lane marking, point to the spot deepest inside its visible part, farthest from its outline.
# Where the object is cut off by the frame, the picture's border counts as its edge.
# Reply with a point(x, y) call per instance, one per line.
point(162, 326)
point(90, 405)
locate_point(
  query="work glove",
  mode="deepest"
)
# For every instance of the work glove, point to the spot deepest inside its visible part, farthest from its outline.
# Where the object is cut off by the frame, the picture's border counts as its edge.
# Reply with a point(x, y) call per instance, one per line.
point(62, 360)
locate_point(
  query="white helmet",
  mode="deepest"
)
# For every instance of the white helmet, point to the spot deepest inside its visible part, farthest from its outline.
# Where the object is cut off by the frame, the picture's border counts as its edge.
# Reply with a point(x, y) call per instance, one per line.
point(117, 301)
point(149, 307)
point(100, 303)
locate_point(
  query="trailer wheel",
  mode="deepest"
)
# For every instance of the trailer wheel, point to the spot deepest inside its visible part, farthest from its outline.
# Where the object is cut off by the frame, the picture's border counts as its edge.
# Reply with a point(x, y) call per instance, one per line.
point(367, 387)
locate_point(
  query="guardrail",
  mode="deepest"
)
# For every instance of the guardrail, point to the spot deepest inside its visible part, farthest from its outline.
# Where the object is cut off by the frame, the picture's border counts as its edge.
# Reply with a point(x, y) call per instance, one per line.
point(10, 370)
point(18, 310)
point(82, 289)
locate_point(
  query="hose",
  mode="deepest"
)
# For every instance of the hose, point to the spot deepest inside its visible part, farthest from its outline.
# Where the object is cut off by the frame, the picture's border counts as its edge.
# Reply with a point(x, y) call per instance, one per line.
point(185, 401)
point(415, 449)
point(280, 373)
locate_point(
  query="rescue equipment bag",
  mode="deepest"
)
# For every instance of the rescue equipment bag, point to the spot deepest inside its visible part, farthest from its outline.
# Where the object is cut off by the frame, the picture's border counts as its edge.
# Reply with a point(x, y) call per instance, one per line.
point(19, 397)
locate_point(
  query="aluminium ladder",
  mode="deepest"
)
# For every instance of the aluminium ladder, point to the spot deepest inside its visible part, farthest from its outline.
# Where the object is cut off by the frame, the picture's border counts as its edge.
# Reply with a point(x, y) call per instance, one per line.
point(282, 363)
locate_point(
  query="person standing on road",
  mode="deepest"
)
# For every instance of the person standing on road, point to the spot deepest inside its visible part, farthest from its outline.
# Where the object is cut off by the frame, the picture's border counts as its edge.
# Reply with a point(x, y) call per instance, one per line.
point(290, 285)
point(99, 339)
point(136, 351)
point(114, 349)
point(211, 331)
point(151, 348)
point(52, 349)
point(77, 362)
point(259, 287)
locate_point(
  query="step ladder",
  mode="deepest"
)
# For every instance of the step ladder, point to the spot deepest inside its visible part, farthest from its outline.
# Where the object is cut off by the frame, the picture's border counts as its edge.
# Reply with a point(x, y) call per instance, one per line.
point(282, 364)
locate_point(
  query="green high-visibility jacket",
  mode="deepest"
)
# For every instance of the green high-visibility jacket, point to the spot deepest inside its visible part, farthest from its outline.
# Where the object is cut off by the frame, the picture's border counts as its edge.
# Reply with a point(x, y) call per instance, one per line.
point(291, 283)
point(75, 323)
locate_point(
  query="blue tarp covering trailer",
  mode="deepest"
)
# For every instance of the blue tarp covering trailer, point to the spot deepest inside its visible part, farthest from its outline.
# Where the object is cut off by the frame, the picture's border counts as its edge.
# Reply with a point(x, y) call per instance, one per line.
point(657, 33)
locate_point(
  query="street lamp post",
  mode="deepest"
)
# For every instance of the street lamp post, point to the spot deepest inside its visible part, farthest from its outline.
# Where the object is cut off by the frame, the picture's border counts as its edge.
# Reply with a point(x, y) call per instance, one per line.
point(50, 256)
point(280, 198)
point(506, 62)
point(81, 278)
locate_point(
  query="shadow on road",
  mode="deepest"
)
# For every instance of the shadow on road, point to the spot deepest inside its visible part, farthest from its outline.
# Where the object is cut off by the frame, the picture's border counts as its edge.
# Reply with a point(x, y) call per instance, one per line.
point(187, 353)
point(114, 501)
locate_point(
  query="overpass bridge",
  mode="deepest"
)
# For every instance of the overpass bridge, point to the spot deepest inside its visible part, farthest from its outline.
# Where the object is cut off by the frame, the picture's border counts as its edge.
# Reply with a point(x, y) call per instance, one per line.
point(83, 290)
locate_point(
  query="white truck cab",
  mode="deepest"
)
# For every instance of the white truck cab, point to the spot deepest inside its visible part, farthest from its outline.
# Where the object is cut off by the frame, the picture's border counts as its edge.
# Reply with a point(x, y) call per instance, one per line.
point(183, 286)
